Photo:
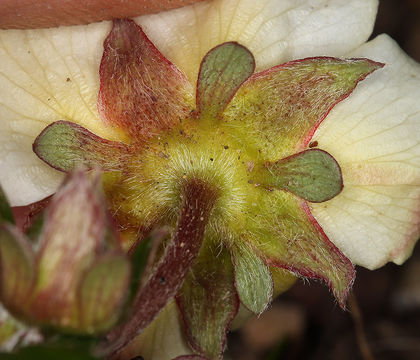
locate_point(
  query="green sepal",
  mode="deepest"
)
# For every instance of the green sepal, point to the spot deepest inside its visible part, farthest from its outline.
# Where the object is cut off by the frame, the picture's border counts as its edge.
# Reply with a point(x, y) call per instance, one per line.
point(296, 242)
point(253, 279)
point(282, 107)
point(312, 174)
point(208, 301)
point(17, 264)
point(102, 293)
point(6, 213)
point(222, 71)
point(65, 146)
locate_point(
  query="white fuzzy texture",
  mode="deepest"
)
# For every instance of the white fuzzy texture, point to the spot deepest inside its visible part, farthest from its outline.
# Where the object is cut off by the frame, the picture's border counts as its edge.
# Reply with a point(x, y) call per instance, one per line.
point(375, 137)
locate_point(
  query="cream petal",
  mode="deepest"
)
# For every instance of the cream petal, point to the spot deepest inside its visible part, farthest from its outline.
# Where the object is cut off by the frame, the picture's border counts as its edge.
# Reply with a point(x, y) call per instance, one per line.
point(274, 30)
point(163, 339)
point(45, 75)
point(374, 135)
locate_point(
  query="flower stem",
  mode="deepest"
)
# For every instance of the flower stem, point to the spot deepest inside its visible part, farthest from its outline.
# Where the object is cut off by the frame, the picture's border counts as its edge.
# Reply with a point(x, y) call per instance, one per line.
point(169, 274)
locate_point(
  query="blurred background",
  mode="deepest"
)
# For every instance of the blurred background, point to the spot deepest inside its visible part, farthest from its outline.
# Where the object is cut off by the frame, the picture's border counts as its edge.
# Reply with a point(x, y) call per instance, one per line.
point(383, 319)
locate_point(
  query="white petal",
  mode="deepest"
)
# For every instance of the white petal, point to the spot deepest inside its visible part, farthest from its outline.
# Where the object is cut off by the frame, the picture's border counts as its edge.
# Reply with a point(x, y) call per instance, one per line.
point(45, 75)
point(375, 136)
point(274, 30)
point(162, 340)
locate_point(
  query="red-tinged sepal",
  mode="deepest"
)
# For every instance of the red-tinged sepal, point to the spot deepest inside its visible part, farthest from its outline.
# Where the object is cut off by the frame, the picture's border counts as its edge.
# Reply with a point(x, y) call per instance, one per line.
point(253, 279)
point(140, 90)
point(75, 232)
point(313, 174)
point(170, 272)
point(17, 268)
point(208, 301)
point(102, 292)
point(222, 71)
point(65, 146)
point(283, 106)
point(296, 242)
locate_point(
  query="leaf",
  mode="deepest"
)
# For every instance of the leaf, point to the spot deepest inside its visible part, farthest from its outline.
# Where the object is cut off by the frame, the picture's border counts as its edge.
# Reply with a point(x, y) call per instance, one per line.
point(65, 146)
point(208, 301)
point(222, 72)
point(17, 265)
point(170, 272)
point(314, 175)
point(253, 279)
point(283, 106)
point(141, 91)
point(102, 292)
point(6, 213)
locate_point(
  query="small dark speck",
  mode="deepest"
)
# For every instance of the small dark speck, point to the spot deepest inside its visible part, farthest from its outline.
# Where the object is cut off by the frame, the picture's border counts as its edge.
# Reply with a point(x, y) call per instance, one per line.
point(162, 280)
point(49, 99)
point(211, 159)
point(68, 79)
point(313, 144)
point(154, 99)
point(29, 51)
point(226, 147)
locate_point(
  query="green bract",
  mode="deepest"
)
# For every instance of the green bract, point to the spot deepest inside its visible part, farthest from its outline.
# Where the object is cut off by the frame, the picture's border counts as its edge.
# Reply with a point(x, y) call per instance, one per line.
point(230, 173)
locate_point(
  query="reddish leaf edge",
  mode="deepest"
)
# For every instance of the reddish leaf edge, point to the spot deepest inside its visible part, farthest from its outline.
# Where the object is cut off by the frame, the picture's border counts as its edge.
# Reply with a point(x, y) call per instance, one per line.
point(70, 123)
point(100, 106)
point(306, 141)
point(307, 273)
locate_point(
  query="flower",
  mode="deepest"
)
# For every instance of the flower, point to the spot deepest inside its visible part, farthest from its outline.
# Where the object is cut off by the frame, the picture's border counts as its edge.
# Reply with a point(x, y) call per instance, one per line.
point(379, 179)
point(76, 277)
